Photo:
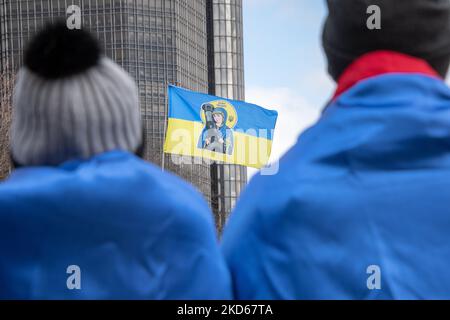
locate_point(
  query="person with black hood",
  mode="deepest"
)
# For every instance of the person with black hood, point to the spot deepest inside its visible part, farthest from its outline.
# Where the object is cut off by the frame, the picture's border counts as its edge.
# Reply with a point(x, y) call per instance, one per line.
point(361, 208)
point(83, 217)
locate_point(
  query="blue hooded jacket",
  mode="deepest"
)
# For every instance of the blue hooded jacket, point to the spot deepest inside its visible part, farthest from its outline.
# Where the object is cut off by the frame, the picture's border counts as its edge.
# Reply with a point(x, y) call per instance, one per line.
point(134, 232)
point(360, 207)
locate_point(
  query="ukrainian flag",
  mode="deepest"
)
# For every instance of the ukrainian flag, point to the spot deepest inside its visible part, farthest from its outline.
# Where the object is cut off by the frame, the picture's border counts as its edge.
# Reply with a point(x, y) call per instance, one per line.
point(209, 127)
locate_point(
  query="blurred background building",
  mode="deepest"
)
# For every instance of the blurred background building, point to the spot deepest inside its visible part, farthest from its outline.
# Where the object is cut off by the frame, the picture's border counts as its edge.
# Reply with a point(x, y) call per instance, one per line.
point(195, 44)
point(226, 79)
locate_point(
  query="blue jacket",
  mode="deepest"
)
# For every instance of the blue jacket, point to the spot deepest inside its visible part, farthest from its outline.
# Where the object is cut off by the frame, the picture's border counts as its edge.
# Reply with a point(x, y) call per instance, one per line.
point(134, 232)
point(363, 196)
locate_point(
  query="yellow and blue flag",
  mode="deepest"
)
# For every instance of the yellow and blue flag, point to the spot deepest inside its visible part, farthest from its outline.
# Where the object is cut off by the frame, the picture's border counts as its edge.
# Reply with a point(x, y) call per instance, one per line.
point(218, 129)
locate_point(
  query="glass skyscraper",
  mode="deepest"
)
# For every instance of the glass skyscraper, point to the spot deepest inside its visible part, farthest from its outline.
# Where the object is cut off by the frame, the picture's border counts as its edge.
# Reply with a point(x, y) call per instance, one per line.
point(226, 79)
point(196, 44)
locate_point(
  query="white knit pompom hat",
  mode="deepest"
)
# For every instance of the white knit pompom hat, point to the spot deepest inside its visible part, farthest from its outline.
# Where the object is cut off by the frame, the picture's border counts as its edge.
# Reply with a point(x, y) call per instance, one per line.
point(70, 102)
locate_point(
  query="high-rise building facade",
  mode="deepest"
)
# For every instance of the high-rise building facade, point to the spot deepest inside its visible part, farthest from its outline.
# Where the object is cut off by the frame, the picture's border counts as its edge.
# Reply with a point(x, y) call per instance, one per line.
point(196, 44)
point(6, 84)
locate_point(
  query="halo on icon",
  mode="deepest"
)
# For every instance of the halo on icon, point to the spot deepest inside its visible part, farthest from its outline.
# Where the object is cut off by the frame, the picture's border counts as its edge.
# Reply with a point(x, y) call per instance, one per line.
point(232, 118)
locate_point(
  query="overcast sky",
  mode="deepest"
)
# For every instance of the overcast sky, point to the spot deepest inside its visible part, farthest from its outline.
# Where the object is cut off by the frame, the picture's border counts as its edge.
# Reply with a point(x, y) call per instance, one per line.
point(285, 68)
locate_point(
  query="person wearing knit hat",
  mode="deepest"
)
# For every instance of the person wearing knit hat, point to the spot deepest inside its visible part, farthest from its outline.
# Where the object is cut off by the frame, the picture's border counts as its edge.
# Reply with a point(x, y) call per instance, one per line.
point(361, 208)
point(83, 217)
point(70, 102)
point(414, 27)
